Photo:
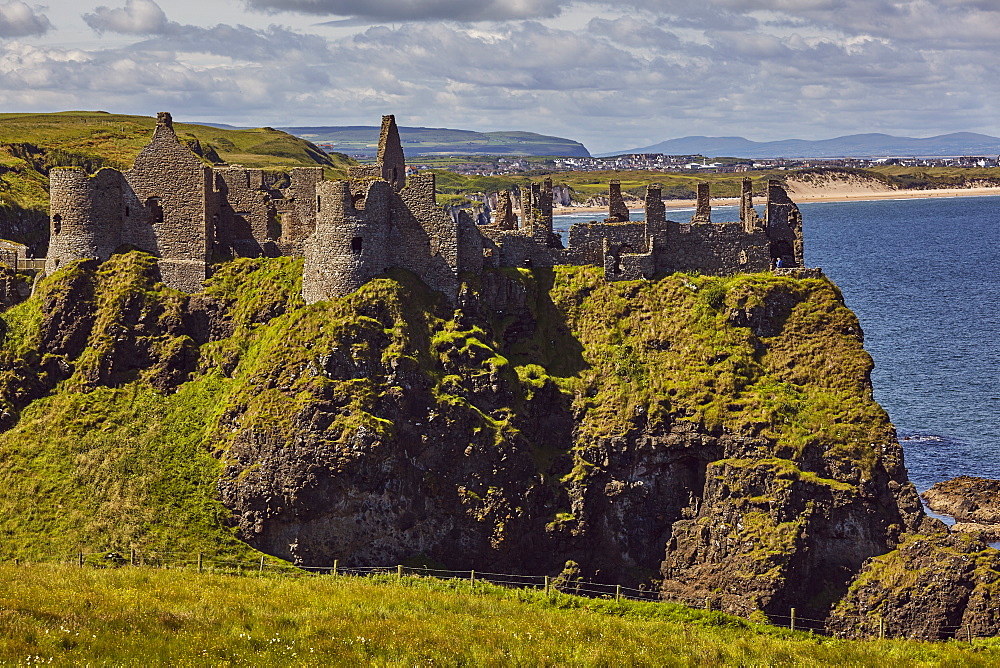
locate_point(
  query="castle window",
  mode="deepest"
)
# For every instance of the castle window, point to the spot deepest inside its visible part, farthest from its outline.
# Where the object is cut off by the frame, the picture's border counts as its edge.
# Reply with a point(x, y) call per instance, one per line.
point(56, 224)
point(127, 212)
point(356, 245)
point(155, 210)
point(319, 203)
point(359, 202)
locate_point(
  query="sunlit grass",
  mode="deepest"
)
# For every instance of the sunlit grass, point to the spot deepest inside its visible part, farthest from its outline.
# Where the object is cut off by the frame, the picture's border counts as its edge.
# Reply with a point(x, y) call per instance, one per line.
point(64, 615)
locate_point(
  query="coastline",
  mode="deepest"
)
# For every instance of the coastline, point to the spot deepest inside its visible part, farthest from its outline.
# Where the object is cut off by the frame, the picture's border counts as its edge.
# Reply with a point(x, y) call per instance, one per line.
point(833, 195)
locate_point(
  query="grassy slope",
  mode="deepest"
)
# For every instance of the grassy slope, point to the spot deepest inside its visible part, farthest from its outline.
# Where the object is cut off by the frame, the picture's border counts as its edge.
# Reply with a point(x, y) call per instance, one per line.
point(124, 467)
point(97, 139)
point(143, 617)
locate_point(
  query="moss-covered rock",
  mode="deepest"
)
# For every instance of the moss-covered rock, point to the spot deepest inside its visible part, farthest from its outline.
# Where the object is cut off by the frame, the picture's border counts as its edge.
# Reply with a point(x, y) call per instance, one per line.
point(934, 586)
point(711, 436)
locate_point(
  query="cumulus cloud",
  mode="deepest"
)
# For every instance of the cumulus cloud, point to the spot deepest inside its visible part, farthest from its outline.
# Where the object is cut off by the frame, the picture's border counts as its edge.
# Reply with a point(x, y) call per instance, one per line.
point(613, 78)
point(137, 17)
point(417, 10)
point(19, 20)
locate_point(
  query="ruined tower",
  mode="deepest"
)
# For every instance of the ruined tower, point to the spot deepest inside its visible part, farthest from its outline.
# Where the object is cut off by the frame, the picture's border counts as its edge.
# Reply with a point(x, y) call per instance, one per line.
point(784, 226)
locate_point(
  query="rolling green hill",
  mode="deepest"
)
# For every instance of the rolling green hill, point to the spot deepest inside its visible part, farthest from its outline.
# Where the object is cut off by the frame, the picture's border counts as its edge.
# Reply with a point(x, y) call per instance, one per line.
point(363, 140)
point(32, 144)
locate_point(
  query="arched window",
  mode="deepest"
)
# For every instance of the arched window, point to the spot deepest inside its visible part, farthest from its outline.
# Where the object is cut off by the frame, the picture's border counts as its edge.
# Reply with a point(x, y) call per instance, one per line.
point(56, 224)
point(356, 243)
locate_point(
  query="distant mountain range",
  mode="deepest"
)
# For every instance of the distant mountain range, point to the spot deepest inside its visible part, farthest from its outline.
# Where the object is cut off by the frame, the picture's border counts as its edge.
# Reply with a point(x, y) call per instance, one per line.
point(873, 145)
point(363, 140)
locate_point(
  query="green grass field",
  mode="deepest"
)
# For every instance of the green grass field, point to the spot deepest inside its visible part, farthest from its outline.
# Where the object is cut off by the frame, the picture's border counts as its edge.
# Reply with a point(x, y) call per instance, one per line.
point(65, 615)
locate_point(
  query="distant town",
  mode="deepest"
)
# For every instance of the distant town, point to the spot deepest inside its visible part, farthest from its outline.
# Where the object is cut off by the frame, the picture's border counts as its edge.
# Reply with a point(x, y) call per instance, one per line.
point(659, 162)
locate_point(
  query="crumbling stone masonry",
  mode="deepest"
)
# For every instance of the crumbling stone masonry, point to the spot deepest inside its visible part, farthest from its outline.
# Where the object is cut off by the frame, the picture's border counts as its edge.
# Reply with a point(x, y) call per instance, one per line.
point(189, 214)
point(617, 210)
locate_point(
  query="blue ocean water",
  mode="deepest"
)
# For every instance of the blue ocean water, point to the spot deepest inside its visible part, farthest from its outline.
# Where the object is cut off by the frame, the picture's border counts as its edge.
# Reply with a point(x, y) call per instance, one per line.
point(923, 277)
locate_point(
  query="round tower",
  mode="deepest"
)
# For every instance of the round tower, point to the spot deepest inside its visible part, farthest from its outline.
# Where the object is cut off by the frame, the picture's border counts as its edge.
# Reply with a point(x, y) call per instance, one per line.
point(351, 243)
point(84, 215)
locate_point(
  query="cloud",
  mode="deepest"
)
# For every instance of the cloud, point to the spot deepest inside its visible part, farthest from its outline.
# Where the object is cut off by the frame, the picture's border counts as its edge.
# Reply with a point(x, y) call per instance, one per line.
point(19, 20)
point(417, 10)
point(137, 17)
point(608, 76)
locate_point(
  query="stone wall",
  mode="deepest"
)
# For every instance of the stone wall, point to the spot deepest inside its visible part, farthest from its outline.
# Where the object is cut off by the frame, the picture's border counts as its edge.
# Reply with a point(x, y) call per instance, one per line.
point(245, 215)
point(748, 215)
point(720, 249)
point(659, 246)
point(299, 220)
point(588, 241)
point(503, 215)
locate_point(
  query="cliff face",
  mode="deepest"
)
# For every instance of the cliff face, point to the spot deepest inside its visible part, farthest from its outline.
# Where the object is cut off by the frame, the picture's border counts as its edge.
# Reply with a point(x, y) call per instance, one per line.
point(715, 437)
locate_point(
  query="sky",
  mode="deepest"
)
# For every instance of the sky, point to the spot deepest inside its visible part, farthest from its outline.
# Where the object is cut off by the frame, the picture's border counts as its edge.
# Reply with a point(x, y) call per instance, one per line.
point(614, 75)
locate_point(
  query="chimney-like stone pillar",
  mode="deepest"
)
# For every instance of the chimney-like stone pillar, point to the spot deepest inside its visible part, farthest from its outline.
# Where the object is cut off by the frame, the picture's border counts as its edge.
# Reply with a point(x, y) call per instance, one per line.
point(656, 212)
point(617, 211)
point(503, 216)
point(748, 215)
point(703, 212)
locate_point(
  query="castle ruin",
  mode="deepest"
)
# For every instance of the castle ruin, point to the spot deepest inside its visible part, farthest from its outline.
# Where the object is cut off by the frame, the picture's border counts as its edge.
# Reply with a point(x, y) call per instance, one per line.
point(190, 215)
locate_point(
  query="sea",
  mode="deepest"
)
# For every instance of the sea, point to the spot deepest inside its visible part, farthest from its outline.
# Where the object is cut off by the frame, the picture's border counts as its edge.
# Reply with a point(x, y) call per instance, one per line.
point(923, 277)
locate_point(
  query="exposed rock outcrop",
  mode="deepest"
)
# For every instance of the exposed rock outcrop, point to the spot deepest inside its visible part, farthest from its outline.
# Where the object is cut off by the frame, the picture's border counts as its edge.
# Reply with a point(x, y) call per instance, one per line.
point(939, 586)
point(966, 498)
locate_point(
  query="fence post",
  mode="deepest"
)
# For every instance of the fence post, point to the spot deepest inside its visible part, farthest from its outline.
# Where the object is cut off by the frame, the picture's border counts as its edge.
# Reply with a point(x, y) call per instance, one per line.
point(399, 572)
point(546, 585)
point(618, 592)
point(335, 567)
point(199, 563)
point(881, 627)
point(472, 577)
point(792, 625)
point(81, 560)
point(131, 557)
point(708, 602)
point(261, 564)
point(968, 628)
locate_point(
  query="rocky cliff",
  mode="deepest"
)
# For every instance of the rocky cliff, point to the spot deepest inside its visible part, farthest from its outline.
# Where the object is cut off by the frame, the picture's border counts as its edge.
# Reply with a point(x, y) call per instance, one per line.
point(712, 437)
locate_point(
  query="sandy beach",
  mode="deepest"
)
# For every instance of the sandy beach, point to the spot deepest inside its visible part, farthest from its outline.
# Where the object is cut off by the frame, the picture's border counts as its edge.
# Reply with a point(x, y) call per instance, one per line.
point(803, 193)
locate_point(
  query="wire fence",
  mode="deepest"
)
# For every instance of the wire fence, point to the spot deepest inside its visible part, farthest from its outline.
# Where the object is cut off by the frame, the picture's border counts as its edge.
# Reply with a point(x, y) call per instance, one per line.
point(860, 626)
